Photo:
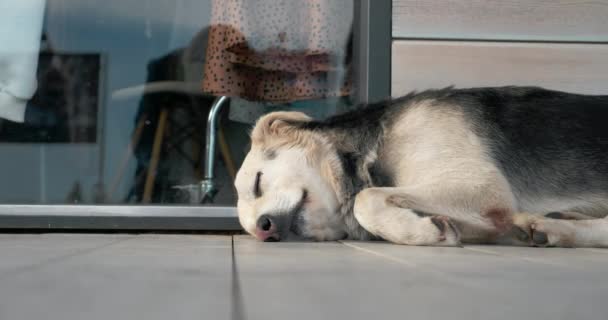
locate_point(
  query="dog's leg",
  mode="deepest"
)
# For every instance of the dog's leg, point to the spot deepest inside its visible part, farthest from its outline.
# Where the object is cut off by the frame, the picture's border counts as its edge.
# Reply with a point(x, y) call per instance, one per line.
point(410, 215)
point(376, 213)
point(561, 230)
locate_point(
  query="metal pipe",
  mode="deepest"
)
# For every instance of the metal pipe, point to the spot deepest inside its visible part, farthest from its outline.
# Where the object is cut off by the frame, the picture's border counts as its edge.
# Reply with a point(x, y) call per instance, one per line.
point(208, 188)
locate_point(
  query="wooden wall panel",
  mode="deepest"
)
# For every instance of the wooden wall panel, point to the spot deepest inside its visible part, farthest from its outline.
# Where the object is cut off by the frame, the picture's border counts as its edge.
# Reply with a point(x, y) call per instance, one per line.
point(418, 65)
point(563, 20)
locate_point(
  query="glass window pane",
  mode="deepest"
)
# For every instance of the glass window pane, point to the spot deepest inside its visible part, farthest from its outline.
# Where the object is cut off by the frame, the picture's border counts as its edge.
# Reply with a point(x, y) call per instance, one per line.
point(108, 102)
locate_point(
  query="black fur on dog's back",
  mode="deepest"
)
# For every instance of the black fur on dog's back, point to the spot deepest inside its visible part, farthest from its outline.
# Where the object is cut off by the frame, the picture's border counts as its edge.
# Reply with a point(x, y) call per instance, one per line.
point(546, 142)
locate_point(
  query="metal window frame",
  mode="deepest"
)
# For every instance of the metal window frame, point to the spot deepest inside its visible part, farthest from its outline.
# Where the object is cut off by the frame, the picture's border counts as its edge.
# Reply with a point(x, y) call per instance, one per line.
point(372, 56)
point(124, 217)
point(373, 53)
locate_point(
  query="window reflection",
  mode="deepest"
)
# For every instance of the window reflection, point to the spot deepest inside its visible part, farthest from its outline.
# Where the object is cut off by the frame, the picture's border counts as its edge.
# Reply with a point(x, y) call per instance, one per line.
point(124, 88)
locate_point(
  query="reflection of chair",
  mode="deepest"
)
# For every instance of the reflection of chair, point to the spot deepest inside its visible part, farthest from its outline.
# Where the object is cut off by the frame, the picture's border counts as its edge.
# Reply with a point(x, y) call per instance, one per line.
point(182, 65)
point(215, 134)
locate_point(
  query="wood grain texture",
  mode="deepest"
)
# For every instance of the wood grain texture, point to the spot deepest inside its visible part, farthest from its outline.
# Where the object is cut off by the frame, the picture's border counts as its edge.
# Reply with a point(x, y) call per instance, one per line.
point(418, 65)
point(563, 20)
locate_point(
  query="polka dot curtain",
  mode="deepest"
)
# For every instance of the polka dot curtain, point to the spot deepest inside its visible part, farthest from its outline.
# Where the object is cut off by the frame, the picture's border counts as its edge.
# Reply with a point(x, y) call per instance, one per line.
point(279, 50)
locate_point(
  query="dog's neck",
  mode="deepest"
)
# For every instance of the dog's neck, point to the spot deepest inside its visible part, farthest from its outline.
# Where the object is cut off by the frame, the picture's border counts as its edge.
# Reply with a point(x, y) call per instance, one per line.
point(356, 144)
point(357, 169)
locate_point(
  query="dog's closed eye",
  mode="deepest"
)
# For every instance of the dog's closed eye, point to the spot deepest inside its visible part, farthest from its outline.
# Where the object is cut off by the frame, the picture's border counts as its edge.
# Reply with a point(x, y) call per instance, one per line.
point(256, 187)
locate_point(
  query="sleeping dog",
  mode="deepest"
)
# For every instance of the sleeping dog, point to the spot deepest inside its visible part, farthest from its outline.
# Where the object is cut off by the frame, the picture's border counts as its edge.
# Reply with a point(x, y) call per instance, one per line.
point(508, 165)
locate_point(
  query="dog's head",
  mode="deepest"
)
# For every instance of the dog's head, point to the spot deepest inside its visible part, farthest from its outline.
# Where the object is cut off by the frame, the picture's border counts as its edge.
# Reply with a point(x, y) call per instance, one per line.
point(287, 186)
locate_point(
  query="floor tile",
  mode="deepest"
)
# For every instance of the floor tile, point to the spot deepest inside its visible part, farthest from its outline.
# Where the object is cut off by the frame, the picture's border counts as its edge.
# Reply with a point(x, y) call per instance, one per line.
point(137, 277)
point(510, 281)
point(21, 252)
point(337, 281)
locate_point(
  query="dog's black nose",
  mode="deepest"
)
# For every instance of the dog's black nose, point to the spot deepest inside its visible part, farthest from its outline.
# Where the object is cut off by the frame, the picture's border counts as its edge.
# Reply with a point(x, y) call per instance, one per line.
point(267, 229)
point(264, 223)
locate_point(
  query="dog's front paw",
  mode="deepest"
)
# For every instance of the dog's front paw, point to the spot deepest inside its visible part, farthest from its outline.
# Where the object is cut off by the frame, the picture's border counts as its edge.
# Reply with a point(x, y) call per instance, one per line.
point(448, 233)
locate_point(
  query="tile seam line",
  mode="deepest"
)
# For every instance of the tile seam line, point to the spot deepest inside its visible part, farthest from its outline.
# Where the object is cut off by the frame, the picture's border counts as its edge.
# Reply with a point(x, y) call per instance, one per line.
point(443, 275)
point(236, 294)
point(511, 256)
point(61, 258)
point(597, 250)
point(378, 254)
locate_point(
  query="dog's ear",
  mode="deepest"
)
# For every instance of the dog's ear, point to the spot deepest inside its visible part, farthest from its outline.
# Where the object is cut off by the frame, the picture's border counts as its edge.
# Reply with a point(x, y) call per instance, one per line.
point(277, 123)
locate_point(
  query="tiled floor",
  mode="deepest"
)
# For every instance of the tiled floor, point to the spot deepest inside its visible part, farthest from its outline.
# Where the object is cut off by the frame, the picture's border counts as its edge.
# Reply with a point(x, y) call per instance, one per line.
point(75, 276)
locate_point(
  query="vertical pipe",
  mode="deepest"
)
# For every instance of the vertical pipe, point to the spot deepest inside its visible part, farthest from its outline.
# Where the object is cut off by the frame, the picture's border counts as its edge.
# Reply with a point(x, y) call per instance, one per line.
point(208, 188)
